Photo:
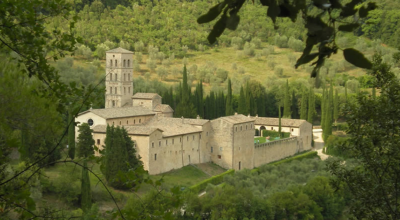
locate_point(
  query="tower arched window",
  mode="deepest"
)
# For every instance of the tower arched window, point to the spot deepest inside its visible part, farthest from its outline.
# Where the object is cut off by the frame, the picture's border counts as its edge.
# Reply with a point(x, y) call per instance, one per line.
point(124, 62)
point(124, 91)
point(115, 63)
point(110, 62)
point(124, 76)
point(129, 63)
point(115, 89)
point(116, 77)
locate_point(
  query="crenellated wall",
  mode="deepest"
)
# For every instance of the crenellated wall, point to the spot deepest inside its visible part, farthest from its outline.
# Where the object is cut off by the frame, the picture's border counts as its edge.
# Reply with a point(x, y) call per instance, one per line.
point(275, 150)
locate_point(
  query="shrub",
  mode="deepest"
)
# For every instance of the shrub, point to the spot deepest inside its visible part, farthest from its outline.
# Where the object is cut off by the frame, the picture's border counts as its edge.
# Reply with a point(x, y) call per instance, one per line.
point(185, 49)
point(237, 43)
point(215, 180)
point(333, 146)
point(295, 44)
point(200, 47)
point(279, 72)
point(138, 56)
point(151, 64)
point(234, 66)
point(222, 74)
point(271, 64)
point(258, 56)
point(281, 41)
point(249, 49)
point(257, 42)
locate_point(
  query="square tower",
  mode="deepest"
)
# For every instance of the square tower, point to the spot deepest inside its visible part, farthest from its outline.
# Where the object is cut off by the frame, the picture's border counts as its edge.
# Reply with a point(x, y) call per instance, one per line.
point(119, 77)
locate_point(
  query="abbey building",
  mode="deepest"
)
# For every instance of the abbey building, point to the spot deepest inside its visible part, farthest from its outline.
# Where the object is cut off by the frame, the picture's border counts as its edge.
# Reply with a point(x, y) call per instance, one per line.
point(165, 143)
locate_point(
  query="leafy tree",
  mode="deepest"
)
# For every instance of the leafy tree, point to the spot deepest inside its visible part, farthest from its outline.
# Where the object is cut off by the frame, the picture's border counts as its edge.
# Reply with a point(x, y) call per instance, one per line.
point(286, 101)
point(162, 72)
point(373, 127)
point(85, 141)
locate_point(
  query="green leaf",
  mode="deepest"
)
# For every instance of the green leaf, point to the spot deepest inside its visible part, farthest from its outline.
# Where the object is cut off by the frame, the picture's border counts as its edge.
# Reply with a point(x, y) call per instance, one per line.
point(363, 12)
point(30, 203)
point(233, 22)
point(306, 59)
point(211, 14)
point(273, 11)
point(218, 29)
point(356, 58)
point(335, 4)
point(266, 2)
point(349, 27)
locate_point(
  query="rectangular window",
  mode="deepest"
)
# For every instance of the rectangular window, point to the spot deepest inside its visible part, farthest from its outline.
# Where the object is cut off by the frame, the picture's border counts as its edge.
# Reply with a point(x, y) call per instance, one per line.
point(166, 142)
point(173, 140)
point(246, 127)
point(110, 90)
point(180, 139)
point(193, 137)
point(159, 143)
point(98, 141)
point(200, 136)
point(219, 156)
point(187, 138)
point(152, 144)
point(220, 149)
point(155, 156)
point(212, 149)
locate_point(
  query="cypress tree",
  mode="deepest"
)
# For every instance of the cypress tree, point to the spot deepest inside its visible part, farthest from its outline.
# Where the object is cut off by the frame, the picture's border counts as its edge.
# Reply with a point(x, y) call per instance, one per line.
point(85, 141)
point(86, 193)
point(200, 101)
point(207, 108)
point(223, 104)
point(295, 111)
point(323, 102)
point(229, 106)
point(331, 102)
point(71, 135)
point(336, 106)
point(26, 149)
point(248, 99)
point(303, 107)
point(345, 92)
point(185, 107)
point(328, 120)
point(286, 102)
point(213, 106)
point(242, 102)
point(311, 106)
point(280, 126)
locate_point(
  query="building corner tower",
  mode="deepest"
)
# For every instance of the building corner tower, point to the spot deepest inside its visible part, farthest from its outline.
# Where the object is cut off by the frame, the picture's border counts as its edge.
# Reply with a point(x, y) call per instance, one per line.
point(119, 77)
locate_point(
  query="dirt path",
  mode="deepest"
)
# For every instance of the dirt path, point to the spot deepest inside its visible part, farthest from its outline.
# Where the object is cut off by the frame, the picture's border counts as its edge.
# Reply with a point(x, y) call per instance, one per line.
point(319, 143)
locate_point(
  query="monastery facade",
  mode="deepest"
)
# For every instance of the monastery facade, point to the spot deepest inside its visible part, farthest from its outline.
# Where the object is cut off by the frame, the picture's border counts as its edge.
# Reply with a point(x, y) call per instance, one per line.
point(165, 143)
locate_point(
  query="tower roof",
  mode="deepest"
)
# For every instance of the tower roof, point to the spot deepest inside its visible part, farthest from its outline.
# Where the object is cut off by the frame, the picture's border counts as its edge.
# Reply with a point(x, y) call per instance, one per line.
point(119, 50)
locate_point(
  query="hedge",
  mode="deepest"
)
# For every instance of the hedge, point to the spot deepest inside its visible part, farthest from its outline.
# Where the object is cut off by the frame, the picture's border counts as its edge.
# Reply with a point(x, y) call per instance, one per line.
point(272, 134)
point(309, 154)
point(215, 180)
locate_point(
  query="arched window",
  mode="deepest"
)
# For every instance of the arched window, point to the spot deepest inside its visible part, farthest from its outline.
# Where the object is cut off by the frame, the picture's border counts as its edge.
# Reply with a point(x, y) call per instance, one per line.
point(110, 90)
point(129, 63)
point(124, 91)
point(115, 90)
point(110, 76)
point(124, 76)
point(116, 77)
point(115, 63)
point(124, 62)
point(110, 62)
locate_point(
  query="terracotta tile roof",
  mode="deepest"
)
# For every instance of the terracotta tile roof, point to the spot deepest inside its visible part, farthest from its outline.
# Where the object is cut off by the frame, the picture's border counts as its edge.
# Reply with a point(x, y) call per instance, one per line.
point(140, 95)
point(275, 121)
point(163, 108)
point(236, 119)
point(119, 50)
point(120, 112)
point(133, 130)
point(173, 126)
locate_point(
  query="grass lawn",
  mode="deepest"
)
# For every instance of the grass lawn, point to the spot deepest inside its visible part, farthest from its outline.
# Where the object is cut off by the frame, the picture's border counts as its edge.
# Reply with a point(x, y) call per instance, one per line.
point(184, 177)
point(260, 139)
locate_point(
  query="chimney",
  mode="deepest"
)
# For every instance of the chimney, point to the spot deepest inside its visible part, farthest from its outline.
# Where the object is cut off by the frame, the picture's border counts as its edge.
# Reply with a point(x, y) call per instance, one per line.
point(235, 113)
point(198, 117)
point(182, 119)
point(256, 115)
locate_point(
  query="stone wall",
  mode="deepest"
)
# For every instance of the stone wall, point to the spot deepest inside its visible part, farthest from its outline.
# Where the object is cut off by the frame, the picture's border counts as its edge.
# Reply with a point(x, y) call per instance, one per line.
point(275, 150)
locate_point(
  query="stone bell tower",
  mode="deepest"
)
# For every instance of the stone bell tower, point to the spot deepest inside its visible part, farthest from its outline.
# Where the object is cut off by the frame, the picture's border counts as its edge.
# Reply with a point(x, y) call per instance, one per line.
point(119, 77)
